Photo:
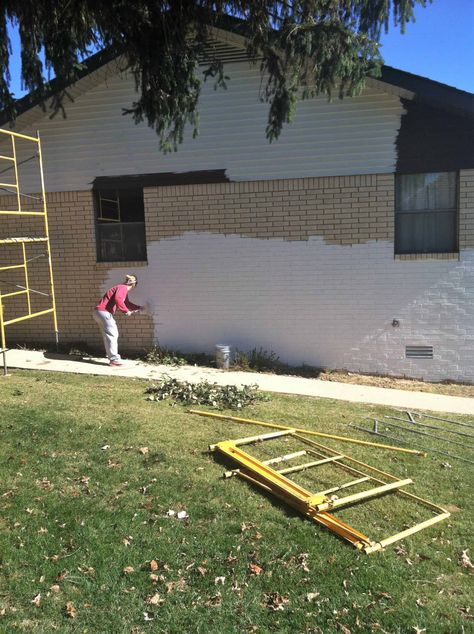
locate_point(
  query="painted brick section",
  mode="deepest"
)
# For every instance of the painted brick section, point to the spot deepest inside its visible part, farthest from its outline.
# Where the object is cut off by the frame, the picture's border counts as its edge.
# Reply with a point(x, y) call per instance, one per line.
point(304, 267)
point(79, 281)
point(343, 209)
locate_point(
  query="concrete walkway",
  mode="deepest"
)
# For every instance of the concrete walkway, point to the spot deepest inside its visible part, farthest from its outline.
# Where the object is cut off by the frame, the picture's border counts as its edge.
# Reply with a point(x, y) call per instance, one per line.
point(33, 360)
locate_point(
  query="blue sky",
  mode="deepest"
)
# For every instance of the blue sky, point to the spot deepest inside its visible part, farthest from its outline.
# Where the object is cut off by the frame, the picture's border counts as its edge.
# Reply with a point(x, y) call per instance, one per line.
point(439, 45)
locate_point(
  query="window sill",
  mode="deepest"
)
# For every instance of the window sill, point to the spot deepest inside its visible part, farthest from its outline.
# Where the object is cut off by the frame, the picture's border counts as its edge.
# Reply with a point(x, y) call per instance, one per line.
point(427, 256)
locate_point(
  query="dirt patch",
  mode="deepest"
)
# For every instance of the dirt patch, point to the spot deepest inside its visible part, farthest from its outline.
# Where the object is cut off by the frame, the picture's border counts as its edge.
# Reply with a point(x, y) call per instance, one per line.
point(450, 389)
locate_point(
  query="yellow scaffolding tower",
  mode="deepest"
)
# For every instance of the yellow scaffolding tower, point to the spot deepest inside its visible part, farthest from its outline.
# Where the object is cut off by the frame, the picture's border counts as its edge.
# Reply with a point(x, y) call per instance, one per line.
point(22, 242)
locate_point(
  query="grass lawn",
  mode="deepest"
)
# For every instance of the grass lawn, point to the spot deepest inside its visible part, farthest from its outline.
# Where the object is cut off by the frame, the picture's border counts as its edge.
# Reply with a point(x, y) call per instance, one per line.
point(86, 543)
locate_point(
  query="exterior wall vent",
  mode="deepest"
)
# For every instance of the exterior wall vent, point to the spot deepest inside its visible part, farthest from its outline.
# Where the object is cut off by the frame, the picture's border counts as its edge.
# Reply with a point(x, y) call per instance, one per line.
point(419, 352)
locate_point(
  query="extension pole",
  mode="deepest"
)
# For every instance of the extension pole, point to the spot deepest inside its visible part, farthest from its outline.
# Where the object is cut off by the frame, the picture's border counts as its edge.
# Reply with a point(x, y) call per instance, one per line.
point(307, 431)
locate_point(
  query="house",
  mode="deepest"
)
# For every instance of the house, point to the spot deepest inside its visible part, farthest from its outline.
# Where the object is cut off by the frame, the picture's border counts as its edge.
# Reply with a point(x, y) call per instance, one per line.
point(348, 243)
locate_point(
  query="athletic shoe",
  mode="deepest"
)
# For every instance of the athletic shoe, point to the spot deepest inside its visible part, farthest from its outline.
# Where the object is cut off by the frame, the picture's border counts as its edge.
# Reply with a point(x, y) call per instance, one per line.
point(115, 363)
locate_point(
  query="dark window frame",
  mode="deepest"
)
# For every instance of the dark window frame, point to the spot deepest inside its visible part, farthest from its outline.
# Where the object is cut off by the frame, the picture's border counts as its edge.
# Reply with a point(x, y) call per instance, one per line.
point(399, 213)
point(122, 227)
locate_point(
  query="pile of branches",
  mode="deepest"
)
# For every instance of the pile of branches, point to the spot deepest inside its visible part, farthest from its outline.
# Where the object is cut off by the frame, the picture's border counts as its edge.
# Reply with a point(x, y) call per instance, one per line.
point(204, 393)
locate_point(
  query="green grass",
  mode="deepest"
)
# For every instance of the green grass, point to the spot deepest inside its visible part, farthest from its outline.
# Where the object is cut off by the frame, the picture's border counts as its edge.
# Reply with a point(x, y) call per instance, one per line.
point(73, 515)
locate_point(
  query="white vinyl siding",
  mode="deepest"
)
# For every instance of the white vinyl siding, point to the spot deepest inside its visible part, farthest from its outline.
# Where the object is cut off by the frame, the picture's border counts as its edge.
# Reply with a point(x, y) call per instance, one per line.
point(352, 136)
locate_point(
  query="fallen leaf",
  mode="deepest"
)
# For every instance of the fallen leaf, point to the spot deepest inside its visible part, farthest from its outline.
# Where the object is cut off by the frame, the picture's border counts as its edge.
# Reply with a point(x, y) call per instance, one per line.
point(36, 600)
point(44, 483)
point(274, 601)
point(155, 599)
point(417, 630)
point(175, 585)
point(343, 628)
point(466, 612)
point(219, 580)
point(154, 578)
point(464, 561)
point(55, 588)
point(148, 616)
point(70, 610)
point(128, 570)
point(105, 447)
point(202, 571)
point(401, 550)
point(153, 565)
point(182, 515)
point(255, 569)
point(87, 570)
point(214, 601)
point(311, 596)
point(246, 526)
point(409, 561)
point(144, 451)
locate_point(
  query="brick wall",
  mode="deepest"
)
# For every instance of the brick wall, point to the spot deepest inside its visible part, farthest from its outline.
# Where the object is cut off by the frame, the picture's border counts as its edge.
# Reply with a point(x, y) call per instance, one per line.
point(343, 209)
point(79, 280)
point(303, 267)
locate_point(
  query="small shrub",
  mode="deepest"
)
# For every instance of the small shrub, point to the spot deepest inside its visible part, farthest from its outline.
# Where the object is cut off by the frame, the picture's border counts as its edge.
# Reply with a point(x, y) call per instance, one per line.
point(204, 393)
point(161, 356)
point(257, 359)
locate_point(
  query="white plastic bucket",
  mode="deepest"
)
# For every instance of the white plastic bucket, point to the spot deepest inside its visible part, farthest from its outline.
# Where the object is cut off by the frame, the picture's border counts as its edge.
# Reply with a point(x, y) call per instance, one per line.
point(222, 356)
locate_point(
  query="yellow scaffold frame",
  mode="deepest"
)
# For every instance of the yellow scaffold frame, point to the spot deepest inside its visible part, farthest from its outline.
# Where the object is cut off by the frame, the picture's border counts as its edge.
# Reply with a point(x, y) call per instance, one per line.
point(316, 505)
point(25, 289)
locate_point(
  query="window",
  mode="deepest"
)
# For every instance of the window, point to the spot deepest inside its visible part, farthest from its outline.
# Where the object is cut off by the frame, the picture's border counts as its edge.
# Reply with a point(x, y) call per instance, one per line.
point(426, 213)
point(120, 224)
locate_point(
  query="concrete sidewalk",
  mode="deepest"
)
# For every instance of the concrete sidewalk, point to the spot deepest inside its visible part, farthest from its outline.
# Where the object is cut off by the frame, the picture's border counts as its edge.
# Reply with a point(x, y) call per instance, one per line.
point(33, 360)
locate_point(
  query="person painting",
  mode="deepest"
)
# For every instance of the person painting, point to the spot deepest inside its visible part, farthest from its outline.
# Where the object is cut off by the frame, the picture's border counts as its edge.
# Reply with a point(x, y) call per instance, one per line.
point(115, 297)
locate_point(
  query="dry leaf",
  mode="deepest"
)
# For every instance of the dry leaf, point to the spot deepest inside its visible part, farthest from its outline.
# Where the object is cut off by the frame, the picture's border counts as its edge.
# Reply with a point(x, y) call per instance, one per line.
point(36, 600)
point(343, 628)
point(144, 451)
point(219, 580)
point(417, 630)
point(87, 570)
point(255, 569)
point(465, 561)
point(155, 599)
point(311, 596)
point(274, 601)
point(55, 588)
point(214, 601)
point(70, 610)
point(202, 571)
point(246, 526)
point(128, 570)
point(175, 585)
point(409, 561)
point(148, 616)
point(154, 578)
point(400, 550)
point(153, 565)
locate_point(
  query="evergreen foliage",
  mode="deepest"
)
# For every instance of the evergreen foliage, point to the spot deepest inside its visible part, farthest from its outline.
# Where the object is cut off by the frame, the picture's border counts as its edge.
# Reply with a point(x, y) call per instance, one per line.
point(303, 47)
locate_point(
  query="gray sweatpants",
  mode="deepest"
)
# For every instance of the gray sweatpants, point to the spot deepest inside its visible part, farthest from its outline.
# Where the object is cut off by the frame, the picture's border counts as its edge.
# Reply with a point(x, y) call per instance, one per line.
point(110, 333)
